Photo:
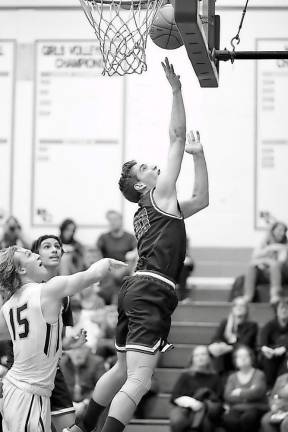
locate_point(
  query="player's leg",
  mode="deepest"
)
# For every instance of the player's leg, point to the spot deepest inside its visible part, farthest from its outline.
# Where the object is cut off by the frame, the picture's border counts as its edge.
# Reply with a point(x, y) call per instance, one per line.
point(140, 368)
point(106, 388)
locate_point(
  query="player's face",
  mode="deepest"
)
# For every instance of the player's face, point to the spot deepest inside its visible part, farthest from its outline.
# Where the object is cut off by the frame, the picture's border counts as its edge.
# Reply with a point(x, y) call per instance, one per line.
point(147, 174)
point(30, 264)
point(50, 252)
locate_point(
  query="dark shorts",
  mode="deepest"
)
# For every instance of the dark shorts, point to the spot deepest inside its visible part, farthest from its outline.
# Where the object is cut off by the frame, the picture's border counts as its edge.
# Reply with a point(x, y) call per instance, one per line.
point(145, 306)
point(61, 401)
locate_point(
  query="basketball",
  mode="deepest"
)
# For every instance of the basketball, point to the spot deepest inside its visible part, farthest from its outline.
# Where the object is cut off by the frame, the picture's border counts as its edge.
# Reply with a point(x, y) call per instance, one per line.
point(164, 32)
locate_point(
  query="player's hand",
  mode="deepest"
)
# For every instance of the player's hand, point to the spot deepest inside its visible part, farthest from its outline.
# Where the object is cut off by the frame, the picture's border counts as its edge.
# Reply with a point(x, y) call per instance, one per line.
point(115, 265)
point(173, 79)
point(77, 341)
point(193, 143)
point(108, 265)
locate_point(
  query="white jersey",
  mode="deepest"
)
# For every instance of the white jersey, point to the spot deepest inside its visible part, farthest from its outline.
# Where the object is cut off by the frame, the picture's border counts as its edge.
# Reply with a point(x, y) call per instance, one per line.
point(37, 345)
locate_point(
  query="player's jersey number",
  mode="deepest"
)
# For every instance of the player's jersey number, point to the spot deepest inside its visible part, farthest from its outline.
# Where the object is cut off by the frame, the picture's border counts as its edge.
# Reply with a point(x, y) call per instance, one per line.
point(19, 324)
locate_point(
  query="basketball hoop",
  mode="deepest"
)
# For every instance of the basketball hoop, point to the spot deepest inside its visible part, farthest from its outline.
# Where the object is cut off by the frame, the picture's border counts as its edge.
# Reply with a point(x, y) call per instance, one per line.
point(122, 28)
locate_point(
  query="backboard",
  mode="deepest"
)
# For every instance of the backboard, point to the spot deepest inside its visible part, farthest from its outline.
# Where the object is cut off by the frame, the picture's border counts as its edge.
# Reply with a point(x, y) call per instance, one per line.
point(200, 31)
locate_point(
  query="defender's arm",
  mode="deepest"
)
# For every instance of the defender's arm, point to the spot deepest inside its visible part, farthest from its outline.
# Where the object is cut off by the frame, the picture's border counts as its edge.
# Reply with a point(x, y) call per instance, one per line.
point(63, 286)
point(166, 185)
point(200, 195)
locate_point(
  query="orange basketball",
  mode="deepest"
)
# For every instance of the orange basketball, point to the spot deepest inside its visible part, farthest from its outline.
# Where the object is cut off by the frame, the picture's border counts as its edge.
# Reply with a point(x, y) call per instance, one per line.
point(164, 31)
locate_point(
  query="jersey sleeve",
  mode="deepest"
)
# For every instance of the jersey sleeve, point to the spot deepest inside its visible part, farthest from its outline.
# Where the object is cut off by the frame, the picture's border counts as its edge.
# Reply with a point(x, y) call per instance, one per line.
point(67, 313)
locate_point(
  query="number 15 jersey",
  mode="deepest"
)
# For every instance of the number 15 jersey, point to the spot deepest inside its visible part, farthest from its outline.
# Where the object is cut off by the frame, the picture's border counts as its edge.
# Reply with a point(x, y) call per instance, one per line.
point(37, 345)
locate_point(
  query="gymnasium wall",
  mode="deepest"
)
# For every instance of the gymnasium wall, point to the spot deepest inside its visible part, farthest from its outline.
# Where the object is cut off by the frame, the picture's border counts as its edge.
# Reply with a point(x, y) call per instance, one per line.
point(71, 132)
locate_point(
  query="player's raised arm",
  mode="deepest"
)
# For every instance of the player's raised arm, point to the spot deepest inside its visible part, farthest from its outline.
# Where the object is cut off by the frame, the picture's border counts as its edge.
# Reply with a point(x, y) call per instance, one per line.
point(200, 195)
point(63, 286)
point(166, 184)
point(4, 332)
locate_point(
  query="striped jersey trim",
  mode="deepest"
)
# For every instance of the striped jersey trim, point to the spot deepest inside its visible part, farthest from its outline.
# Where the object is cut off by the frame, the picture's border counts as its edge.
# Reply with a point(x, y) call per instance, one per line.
point(141, 348)
point(161, 211)
point(156, 276)
point(29, 413)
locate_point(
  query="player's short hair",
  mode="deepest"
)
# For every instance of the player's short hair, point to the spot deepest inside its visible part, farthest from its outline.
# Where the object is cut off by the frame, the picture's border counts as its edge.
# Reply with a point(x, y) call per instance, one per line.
point(37, 243)
point(127, 182)
point(10, 280)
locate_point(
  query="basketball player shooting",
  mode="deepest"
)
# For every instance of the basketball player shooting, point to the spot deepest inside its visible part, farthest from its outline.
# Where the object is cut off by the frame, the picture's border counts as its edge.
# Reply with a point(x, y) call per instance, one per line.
point(147, 299)
point(32, 318)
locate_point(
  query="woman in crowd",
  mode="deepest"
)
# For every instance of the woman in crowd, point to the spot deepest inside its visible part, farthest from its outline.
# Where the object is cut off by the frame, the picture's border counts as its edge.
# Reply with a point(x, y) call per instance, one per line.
point(277, 418)
point(12, 234)
point(269, 263)
point(232, 331)
point(245, 394)
point(197, 396)
point(73, 260)
point(274, 343)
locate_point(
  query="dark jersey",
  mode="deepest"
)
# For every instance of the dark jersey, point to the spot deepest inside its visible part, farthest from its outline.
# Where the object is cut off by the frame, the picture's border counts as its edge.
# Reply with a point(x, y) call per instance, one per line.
point(161, 239)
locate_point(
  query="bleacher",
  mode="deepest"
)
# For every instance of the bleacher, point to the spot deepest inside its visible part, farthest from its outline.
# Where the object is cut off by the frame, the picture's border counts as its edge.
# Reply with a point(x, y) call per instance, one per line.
point(194, 323)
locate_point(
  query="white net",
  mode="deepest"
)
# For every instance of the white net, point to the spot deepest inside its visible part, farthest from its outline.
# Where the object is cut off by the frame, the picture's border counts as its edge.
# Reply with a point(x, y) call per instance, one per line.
point(122, 28)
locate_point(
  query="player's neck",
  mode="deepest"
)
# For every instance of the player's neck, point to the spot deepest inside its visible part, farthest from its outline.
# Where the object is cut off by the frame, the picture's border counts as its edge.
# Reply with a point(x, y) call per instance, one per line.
point(52, 272)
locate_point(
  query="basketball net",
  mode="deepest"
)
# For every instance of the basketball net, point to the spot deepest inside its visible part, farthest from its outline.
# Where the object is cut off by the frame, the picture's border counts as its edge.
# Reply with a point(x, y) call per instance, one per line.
point(122, 29)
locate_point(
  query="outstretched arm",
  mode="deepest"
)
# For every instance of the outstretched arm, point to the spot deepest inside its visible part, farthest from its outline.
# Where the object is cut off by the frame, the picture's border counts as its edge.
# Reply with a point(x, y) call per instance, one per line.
point(166, 184)
point(200, 195)
point(63, 286)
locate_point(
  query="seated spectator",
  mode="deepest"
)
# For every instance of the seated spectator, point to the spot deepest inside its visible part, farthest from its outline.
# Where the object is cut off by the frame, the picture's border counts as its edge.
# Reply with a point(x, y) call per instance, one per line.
point(232, 331)
point(197, 396)
point(81, 370)
point(85, 319)
point(117, 244)
point(73, 259)
point(277, 418)
point(269, 264)
point(245, 394)
point(12, 234)
point(106, 345)
point(274, 343)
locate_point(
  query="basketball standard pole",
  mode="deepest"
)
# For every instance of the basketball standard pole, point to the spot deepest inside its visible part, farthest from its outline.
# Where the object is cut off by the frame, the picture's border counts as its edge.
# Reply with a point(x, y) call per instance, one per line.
point(225, 55)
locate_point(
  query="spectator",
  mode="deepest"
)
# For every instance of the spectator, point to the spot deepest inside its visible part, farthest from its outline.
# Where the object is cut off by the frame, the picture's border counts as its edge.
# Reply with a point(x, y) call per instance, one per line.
point(235, 330)
point(269, 263)
point(274, 343)
point(85, 319)
point(245, 394)
point(117, 244)
point(73, 259)
point(12, 234)
point(197, 396)
point(81, 370)
point(106, 345)
point(277, 418)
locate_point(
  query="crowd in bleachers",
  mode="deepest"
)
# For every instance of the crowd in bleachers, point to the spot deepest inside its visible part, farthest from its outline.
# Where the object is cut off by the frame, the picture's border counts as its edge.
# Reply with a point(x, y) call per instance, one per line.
point(238, 382)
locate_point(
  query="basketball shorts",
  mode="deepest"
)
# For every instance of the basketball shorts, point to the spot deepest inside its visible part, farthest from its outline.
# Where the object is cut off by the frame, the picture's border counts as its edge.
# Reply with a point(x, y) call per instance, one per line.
point(61, 401)
point(145, 305)
point(24, 411)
